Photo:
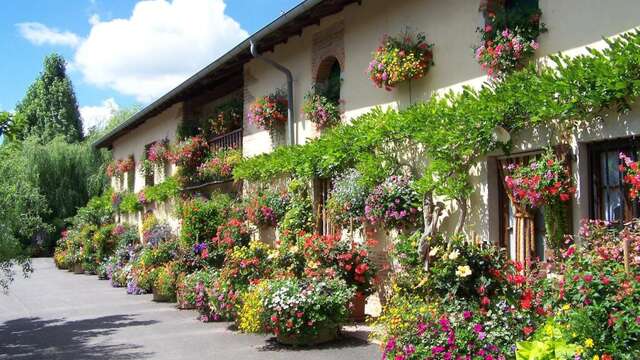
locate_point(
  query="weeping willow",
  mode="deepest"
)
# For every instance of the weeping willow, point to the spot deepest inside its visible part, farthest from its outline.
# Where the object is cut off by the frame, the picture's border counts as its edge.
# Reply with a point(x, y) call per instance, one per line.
point(66, 175)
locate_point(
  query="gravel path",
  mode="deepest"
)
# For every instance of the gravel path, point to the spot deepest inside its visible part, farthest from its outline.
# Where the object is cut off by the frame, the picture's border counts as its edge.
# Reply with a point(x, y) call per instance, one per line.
point(55, 314)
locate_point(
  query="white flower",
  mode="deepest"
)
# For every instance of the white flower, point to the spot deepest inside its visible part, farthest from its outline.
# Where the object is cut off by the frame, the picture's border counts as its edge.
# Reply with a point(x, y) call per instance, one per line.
point(434, 251)
point(454, 254)
point(463, 271)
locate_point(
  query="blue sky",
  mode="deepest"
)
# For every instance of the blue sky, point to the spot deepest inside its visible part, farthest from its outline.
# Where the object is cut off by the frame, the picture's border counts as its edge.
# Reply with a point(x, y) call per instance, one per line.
point(118, 59)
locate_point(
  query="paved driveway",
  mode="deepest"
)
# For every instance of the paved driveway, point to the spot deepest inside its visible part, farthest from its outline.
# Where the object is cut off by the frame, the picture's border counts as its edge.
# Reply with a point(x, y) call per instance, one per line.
point(58, 315)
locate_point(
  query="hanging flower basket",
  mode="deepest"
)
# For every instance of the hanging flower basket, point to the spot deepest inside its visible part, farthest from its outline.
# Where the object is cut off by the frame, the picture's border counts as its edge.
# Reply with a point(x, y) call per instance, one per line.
point(507, 45)
point(270, 112)
point(544, 183)
point(404, 57)
point(321, 111)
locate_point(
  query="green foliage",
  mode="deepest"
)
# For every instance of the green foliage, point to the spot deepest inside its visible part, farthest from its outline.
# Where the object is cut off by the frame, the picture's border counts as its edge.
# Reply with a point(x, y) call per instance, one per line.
point(22, 213)
point(49, 108)
point(201, 218)
point(550, 342)
point(457, 129)
point(129, 203)
point(299, 215)
point(117, 118)
point(166, 190)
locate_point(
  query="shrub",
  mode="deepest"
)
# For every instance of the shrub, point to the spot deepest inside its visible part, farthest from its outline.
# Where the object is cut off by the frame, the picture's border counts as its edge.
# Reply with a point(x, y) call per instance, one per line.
point(201, 218)
point(230, 235)
point(301, 308)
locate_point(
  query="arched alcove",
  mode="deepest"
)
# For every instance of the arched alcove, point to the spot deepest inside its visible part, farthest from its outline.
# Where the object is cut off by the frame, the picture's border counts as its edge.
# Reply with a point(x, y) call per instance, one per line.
point(328, 79)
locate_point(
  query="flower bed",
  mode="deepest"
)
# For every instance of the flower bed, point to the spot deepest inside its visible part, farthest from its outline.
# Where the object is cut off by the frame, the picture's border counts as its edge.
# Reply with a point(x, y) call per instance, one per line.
point(404, 57)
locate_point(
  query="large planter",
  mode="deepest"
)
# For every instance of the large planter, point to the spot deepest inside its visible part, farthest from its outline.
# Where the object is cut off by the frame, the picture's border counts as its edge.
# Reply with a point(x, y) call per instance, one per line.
point(77, 268)
point(157, 297)
point(357, 308)
point(324, 335)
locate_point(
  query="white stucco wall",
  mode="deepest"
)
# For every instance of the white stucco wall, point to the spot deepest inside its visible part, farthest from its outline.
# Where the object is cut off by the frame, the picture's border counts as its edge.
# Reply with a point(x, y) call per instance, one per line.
point(450, 25)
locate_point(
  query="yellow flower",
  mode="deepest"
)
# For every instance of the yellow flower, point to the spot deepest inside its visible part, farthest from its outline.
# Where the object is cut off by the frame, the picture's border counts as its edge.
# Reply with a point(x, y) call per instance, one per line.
point(596, 357)
point(588, 343)
point(566, 307)
point(463, 271)
point(579, 350)
point(454, 254)
point(548, 329)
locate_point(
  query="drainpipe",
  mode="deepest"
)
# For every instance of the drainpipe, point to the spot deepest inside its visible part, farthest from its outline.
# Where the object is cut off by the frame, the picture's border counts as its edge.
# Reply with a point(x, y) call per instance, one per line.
point(287, 73)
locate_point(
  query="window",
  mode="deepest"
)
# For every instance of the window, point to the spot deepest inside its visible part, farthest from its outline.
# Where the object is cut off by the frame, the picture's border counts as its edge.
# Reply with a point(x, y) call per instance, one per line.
point(511, 13)
point(522, 233)
point(609, 198)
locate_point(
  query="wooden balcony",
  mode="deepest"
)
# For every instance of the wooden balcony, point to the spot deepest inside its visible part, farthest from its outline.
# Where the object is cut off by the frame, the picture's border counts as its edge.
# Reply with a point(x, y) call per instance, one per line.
point(230, 140)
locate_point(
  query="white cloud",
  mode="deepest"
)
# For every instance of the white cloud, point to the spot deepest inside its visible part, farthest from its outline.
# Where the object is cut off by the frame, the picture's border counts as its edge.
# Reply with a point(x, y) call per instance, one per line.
point(159, 46)
point(40, 34)
point(97, 116)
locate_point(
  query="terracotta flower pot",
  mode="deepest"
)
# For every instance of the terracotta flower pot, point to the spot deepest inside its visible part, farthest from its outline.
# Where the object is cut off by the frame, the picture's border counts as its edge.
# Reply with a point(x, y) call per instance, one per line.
point(77, 268)
point(324, 335)
point(357, 308)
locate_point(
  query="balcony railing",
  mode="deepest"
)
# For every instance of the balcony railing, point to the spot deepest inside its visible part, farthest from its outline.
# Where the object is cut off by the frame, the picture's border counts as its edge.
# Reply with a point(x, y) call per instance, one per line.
point(230, 140)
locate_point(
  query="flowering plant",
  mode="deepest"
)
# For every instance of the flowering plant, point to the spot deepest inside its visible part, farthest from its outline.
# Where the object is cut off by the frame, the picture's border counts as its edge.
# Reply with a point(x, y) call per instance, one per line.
point(267, 208)
point(219, 164)
point(301, 308)
point(321, 111)
point(545, 182)
point(190, 152)
point(155, 155)
point(226, 118)
point(594, 296)
point(269, 112)
point(506, 46)
point(393, 203)
point(230, 235)
point(397, 59)
point(111, 169)
point(123, 166)
point(332, 256)
point(165, 281)
point(631, 175)
point(346, 202)
point(187, 286)
point(247, 265)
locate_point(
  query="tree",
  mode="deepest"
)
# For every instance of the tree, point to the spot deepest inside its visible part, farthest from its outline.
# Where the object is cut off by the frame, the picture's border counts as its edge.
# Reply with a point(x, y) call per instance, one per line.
point(49, 108)
point(116, 119)
point(21, 214)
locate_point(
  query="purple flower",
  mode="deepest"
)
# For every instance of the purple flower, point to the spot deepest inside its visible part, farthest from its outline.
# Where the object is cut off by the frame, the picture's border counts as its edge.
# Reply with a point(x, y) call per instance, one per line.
point(422, 327)
point(391, 344)
point(477, 328)
point(467, 314)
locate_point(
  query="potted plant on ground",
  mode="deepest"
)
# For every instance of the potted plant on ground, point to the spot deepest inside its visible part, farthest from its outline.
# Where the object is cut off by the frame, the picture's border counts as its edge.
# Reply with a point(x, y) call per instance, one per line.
point(306, 311)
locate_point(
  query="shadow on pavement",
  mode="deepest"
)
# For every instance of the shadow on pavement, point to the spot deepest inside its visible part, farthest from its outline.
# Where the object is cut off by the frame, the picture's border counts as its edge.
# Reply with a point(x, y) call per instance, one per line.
point(36, 338)
point(341, 343)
